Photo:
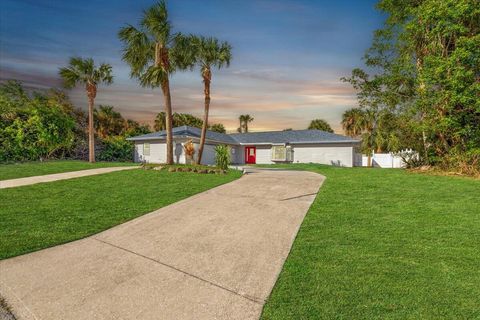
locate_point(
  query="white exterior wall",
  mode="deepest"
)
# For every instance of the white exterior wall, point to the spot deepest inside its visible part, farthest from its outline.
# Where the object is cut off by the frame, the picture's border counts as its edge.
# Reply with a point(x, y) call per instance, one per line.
point(264, 154)
point(331, 154)
point(158, 152)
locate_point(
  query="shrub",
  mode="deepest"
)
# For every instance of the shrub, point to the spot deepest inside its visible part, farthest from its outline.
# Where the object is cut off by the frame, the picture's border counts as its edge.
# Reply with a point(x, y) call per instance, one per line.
point(222, 156)
point(32, 128)
point(115, 149)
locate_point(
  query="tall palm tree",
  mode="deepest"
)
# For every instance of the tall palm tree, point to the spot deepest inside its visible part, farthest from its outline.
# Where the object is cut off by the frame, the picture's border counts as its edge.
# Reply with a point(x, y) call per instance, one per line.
point(352, 122)
point(154, 52)
point(244, 119)
point(84, 71)
point(208, 53)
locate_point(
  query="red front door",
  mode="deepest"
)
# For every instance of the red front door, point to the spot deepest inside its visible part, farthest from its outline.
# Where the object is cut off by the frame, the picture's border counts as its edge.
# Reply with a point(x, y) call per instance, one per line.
point(250, 155)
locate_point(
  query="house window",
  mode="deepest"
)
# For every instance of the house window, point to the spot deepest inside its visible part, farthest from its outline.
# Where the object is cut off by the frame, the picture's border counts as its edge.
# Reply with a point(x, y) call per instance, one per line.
point(282, 153)
point(279, 153)
point(146, 149)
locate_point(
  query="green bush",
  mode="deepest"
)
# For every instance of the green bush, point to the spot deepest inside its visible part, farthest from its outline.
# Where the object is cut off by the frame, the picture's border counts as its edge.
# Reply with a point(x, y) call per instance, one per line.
point(222, 156)
point(115, 149)
point(32, 128)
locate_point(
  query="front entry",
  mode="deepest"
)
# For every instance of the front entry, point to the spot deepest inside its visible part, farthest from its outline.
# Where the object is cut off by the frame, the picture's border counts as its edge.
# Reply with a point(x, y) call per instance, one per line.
point(250, 155)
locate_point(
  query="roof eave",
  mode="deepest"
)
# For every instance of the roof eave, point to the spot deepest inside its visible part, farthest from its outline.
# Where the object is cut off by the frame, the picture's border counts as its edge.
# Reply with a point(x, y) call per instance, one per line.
point(297, 142)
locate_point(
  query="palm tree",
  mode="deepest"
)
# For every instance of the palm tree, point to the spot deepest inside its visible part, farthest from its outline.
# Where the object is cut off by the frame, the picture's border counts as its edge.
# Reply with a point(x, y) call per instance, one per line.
point(368, 123)
point(320, 124)
point(154, 53)
point(244, 120)
point(108, 122)
point(160, 122)
point(208, 53)
point(352, 122)
point(85, 72)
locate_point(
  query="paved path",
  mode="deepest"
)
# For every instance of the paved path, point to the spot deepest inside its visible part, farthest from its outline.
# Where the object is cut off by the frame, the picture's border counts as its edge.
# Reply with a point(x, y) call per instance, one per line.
point(59, 176)
point(215, 255)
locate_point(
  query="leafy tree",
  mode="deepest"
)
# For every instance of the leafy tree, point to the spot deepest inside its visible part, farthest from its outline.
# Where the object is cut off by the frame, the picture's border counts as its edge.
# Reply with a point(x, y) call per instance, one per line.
point(178, 119)
point(218, 127)
point(133, 128)
point(32, 128)
point(208, 53)
point(426, 62)
point(154, 52)
point(185, 119)
point(320, 124)
point(84, 71)
point(244, 119)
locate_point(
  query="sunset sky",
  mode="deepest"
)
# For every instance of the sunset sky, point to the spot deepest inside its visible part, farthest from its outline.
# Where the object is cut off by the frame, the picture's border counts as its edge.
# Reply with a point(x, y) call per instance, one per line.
point(288, 56)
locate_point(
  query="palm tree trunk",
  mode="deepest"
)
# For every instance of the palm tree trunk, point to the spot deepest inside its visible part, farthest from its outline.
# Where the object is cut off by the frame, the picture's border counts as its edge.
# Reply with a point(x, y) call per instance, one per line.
point(91, 136)
point(206, 82)
point(168, 120)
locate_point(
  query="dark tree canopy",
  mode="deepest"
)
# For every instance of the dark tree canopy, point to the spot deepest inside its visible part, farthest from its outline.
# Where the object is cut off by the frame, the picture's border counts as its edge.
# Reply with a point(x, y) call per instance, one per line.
point(426, 76)
point(320, 124)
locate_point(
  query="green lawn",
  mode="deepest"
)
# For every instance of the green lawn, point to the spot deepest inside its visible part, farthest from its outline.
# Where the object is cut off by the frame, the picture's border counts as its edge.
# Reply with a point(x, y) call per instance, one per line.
point(384, 244)
point(29, 169)
point(42, 215)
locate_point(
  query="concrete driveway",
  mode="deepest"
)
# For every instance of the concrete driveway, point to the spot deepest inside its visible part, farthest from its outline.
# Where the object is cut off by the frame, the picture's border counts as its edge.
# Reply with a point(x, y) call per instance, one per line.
point(215, 255)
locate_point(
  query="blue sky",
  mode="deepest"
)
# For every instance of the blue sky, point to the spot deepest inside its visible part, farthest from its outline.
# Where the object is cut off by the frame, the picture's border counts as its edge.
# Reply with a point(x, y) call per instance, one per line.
point(288, 56)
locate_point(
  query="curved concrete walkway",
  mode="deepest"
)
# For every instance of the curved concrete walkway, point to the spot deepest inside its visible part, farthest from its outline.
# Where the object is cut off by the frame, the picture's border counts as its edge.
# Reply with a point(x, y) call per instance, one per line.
point(58, 176)
point(215, 255)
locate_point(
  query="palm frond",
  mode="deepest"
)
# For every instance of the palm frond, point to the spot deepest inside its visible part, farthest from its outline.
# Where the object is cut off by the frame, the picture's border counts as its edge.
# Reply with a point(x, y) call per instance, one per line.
point(182, 53)
point(70, 77)
point(105, 74)
point(155, 21)
point(138, 50)
point(211, 52)
point(153, 77)
point(82, 71)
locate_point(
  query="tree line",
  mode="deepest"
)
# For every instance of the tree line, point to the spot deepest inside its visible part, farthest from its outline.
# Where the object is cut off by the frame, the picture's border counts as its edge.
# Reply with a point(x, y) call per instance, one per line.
point(424, 89)
point(46, 125)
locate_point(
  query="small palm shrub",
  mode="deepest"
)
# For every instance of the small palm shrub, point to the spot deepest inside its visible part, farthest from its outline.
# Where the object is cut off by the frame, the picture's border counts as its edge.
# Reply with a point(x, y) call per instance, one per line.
point(222, 156)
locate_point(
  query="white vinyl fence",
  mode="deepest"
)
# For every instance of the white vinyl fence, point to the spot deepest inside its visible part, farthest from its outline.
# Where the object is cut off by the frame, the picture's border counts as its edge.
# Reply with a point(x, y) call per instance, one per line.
point(384, 160)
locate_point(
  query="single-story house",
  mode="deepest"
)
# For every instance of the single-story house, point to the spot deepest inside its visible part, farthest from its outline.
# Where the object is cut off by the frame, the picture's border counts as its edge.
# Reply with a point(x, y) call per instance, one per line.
point(293, 146)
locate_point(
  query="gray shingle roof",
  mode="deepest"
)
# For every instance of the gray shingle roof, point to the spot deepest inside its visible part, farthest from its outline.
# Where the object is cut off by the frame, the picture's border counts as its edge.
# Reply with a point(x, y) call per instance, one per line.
point(292, 136)
point(187, 131)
